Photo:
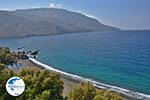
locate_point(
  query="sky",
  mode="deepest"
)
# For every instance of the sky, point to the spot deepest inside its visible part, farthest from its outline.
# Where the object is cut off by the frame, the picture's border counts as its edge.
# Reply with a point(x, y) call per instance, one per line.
point(124, 14)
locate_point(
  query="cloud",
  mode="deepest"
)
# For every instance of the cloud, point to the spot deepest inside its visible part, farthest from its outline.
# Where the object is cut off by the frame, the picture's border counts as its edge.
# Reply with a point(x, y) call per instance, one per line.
point(52, 5)
point(88, 15)
point(91, 16)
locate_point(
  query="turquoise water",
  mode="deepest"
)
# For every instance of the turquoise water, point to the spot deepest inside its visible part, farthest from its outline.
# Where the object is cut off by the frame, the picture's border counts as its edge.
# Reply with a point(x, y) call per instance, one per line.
point(117, 58)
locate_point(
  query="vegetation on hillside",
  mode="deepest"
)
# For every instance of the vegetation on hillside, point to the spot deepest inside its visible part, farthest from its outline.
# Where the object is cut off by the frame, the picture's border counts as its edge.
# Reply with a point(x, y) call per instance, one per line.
point(40, 84)
point(86, 91)
point(6, 57)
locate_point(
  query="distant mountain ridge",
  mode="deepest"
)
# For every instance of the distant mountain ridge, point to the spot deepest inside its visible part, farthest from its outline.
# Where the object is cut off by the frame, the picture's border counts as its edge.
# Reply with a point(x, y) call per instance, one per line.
point(46, 21)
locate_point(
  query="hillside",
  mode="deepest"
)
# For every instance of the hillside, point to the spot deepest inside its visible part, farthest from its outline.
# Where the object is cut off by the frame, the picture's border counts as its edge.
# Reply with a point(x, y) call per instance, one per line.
point(46, 21)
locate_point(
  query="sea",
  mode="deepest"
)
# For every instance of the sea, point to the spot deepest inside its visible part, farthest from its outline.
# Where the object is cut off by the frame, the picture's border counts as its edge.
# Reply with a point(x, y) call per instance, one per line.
point(120, 58)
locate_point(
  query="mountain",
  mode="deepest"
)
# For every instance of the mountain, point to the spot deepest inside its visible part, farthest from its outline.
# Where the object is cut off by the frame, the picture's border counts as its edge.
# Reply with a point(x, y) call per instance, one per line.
point(46, 21)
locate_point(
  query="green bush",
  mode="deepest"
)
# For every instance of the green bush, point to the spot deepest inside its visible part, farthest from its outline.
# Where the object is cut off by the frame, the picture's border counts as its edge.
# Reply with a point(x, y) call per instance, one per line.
point(86, 91)
point(6, 57)
point(40, 85)
point(2, 66)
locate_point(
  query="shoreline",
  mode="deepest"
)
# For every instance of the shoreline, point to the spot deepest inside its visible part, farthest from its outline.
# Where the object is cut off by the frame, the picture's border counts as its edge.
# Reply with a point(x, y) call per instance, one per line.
point(35, 35)
point(68, 83)
point(127, 94)
point(70, 80)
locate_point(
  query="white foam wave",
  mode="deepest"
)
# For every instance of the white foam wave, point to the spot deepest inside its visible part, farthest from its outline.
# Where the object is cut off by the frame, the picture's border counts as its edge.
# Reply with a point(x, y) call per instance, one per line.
point(126, 92)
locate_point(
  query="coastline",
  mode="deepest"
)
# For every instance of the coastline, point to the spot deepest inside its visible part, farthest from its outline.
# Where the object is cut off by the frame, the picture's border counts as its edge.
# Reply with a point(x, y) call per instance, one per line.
point(35, 35)
point(68, 83)
point(70, 80)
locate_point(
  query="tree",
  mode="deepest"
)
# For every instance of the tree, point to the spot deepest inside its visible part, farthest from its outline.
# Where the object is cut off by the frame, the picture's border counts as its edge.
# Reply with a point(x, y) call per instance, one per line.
point(40, 84)
point(4, 76)
point(106, 95)
point(2, 66)
point(86, 91)
point(82, 91)
point(6, 57)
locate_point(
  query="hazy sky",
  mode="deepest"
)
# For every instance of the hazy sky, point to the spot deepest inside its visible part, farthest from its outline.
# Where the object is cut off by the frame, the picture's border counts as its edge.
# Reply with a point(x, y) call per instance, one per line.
point(125, 14)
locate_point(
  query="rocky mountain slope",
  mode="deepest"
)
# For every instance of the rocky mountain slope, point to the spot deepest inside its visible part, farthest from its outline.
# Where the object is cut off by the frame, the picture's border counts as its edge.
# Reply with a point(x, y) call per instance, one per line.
point(46, 21)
